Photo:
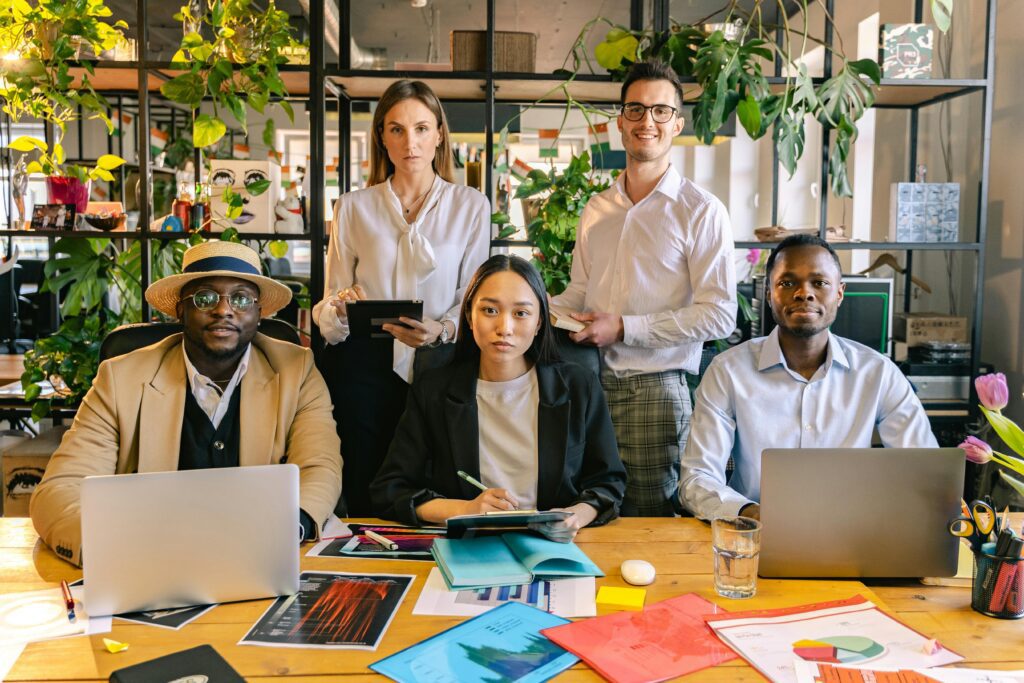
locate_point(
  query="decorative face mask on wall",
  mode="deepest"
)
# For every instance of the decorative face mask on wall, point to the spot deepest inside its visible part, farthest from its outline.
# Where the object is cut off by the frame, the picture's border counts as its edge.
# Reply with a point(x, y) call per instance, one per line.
point(257, 211)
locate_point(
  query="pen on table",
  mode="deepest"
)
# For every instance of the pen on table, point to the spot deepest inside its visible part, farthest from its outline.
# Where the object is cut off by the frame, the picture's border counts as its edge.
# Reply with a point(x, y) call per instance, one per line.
point(69, 600)
point(477, 483)
point(382, 541)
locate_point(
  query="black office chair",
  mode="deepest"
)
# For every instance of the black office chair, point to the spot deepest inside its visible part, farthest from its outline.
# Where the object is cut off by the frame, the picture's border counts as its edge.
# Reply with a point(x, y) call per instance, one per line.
point(134, 336)
point(586, 356)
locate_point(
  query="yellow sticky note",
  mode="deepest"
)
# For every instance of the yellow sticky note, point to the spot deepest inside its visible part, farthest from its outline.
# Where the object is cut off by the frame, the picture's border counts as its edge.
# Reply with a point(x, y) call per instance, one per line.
point(113, 646)
point(621, 598)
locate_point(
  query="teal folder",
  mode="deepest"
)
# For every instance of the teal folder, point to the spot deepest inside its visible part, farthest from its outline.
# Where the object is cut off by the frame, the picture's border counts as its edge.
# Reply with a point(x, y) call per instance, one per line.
point(508, 560)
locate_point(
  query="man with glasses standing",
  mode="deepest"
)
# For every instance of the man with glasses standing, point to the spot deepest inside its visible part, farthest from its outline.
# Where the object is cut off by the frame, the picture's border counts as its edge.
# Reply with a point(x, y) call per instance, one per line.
point(218, 394)
point(652, 279)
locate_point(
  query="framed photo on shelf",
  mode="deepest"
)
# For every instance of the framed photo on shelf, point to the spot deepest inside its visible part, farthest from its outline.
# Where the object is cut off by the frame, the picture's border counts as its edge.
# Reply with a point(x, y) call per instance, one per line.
point(53, 217)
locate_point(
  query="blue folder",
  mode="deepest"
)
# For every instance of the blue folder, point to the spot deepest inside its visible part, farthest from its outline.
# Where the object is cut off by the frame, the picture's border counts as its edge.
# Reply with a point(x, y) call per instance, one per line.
point(506, 560)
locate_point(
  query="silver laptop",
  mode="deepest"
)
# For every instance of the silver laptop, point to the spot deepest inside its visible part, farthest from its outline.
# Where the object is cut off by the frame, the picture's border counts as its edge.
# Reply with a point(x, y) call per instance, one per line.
point(859, 512)
point(197, 537)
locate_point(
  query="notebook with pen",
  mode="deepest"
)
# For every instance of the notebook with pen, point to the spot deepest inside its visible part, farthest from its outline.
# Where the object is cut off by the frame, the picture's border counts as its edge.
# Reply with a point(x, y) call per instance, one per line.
point(507, 560)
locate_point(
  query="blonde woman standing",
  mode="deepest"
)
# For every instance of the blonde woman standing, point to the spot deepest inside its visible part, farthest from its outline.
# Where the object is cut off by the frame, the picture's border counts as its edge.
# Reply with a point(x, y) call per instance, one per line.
point(412, 234)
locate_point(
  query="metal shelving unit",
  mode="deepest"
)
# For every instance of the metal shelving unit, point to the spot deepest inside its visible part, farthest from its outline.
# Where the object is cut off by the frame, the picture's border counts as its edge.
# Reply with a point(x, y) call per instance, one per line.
point(321, 83)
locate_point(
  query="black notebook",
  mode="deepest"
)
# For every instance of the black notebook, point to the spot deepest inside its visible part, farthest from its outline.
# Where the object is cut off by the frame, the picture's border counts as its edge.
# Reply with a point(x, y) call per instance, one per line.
point(198, 661)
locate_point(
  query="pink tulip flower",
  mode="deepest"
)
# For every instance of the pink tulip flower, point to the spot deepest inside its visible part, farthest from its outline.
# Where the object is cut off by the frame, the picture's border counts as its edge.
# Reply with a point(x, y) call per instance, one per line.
point(992, 390)
point(977, 451)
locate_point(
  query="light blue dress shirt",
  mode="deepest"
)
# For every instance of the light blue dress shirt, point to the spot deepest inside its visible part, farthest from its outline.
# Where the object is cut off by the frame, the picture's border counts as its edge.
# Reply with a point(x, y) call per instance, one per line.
point(749, 400)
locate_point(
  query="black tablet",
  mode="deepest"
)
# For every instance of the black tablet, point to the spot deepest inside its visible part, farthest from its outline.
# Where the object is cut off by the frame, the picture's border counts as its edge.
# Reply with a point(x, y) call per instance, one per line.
point(366, 317)
point(515, 520)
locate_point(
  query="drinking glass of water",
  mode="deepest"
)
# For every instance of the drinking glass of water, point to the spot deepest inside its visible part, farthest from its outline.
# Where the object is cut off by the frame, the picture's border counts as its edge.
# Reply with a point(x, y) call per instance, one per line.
point(736, 543)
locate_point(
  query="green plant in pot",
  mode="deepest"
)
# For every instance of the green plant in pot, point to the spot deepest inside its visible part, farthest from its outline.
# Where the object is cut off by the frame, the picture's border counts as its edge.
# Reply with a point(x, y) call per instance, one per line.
point(44, 38)
point(241, 59)
point(86, 271)
point(729, 71)
point(562, 196)
point(65, 183)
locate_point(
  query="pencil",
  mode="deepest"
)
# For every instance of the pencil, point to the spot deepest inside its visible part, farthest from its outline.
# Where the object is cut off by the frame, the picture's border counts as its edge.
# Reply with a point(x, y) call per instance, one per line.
point(471, 480)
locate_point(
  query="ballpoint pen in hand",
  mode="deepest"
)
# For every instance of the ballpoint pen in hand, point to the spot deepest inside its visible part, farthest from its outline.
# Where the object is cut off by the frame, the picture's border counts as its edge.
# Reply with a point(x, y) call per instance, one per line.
point(477, 483)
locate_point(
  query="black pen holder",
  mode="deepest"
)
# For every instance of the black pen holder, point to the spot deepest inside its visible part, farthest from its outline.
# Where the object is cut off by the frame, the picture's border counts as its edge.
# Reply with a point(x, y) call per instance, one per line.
point(998, 587)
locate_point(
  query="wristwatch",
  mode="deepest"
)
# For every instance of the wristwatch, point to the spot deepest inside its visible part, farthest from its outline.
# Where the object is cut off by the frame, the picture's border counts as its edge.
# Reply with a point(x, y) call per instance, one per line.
point(444, 336)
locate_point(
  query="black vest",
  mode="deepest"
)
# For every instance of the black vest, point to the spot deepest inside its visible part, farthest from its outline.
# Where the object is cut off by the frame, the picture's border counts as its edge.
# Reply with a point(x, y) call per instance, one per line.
point(202, 446)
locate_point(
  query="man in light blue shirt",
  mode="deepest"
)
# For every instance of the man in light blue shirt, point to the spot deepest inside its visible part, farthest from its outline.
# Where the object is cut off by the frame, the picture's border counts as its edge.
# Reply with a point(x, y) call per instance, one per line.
point(799, 387)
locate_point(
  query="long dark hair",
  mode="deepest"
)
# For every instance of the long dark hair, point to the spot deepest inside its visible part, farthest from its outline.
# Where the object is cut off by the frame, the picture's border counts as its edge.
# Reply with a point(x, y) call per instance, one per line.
point(542, 350)
point(380, 165)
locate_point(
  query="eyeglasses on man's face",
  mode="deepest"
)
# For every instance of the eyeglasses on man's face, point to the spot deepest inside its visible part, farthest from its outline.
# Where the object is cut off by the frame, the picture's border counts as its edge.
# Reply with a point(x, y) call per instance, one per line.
point(207, 300)
point(634, 111)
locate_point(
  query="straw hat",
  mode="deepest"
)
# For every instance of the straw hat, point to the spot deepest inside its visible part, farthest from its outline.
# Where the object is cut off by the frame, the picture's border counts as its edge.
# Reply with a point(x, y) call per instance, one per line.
point(213, 259)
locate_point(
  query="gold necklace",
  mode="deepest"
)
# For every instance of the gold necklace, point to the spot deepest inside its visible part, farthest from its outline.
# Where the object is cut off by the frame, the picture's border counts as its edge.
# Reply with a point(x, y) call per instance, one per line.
point(416, 201)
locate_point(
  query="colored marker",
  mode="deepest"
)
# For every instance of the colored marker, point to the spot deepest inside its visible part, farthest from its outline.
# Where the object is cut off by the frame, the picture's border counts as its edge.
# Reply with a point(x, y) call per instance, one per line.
point(69, 600)
point(380, 540)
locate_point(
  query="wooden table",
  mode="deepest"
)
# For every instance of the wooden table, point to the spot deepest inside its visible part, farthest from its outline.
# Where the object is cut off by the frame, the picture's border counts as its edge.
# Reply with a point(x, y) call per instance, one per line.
point(11, 367)
point(678, 548)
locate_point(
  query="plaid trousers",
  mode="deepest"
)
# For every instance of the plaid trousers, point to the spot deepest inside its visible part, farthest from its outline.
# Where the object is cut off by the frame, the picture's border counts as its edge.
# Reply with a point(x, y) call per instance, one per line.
point(651, 416)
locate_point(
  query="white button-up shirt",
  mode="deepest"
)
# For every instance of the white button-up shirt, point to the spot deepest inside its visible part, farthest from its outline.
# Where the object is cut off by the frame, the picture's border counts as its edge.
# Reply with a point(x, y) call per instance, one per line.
point(749, 400)
point(208, 395)
point(665, 265)
point(431, 259)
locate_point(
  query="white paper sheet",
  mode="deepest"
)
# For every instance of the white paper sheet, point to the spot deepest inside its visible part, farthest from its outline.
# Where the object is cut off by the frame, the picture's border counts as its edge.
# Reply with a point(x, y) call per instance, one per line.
point(806, 672)
point(9, 654)
point(874, 640)
point(39, 615)
point(565, 597)
point(335, 528)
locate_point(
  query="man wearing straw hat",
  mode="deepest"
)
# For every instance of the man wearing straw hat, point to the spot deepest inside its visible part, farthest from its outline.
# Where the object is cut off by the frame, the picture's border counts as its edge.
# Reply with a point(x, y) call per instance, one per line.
point(219, 394)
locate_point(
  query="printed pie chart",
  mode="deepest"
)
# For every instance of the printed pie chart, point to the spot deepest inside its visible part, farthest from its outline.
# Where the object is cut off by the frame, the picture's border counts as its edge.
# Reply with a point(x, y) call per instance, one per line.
point(838, 649)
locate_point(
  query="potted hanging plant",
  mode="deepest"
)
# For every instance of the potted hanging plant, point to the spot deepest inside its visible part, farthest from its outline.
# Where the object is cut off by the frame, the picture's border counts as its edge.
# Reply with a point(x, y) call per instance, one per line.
point(560, 198)
point(727, 65)
point(40, 43)
point(65, 183)
point(242, 58)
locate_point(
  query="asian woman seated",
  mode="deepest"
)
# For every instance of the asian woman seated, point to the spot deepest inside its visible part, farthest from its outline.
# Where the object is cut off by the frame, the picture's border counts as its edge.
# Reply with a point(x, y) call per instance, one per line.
point(535, 431)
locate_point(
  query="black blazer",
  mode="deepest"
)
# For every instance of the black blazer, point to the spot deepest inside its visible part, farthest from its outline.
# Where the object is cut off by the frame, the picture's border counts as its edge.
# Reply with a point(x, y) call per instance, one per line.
point(578, 460)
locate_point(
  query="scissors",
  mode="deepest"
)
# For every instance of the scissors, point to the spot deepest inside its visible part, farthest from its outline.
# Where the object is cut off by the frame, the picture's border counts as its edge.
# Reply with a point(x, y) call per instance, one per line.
point(978, 522)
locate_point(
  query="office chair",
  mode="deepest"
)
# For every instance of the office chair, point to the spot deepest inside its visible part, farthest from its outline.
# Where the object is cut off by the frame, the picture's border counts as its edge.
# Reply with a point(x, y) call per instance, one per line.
point(585, 356)
point(134, 336)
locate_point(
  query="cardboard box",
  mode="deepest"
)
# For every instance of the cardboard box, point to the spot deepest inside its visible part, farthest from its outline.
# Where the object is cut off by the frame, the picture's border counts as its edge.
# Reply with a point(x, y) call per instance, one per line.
point(23, 467)
point(917, 328)
point(513, 51)
point(258, 212)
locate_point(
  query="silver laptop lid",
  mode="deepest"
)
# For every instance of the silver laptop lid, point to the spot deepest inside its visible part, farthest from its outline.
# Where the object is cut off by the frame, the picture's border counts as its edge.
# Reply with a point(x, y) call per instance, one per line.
point(859, 512)
point(172, 539)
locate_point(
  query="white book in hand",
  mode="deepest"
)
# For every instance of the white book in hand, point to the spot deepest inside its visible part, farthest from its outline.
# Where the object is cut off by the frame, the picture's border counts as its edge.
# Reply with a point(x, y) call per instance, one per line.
point(563, 321)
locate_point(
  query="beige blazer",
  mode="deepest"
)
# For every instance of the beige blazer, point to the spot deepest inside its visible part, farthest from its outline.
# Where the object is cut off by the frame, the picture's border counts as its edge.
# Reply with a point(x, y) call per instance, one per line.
point(130, 421)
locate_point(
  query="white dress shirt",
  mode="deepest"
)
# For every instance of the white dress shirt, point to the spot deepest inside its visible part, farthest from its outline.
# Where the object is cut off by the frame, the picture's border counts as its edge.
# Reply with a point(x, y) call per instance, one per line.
point(749, 400)
point(208, 395)
point(431, 259)
point(665, 265)
point(507, 422)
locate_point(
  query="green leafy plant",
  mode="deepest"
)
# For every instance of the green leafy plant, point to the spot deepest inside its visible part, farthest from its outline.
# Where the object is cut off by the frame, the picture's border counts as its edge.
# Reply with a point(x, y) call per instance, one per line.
point(89, 270)
point(68, 359)
point(553, 231)
point(238, 65)
point(44, 39)
point(731, 79)
point(52, 163)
